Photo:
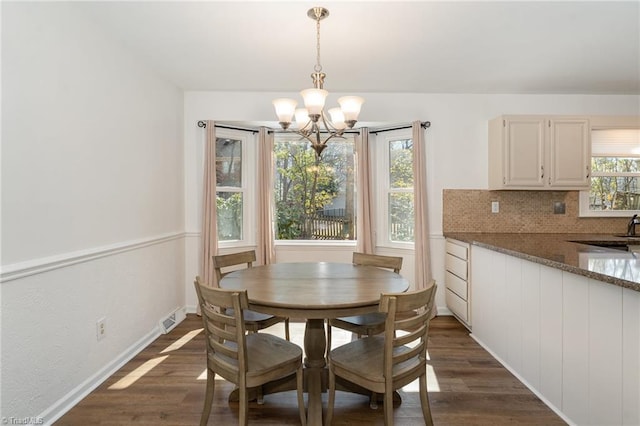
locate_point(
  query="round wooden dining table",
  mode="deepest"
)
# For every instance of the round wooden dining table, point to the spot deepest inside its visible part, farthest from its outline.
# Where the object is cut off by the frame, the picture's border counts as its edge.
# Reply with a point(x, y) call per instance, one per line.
point(314, 291)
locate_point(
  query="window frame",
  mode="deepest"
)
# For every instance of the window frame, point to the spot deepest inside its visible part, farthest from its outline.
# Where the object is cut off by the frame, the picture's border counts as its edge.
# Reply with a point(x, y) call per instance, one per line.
point(248, 147)
point(383, 189)
point(583, 196)
point(292, 137)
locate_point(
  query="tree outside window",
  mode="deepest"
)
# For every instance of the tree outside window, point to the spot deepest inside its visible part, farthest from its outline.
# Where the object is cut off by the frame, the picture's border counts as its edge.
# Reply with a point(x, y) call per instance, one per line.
point(314, 197)
point(229, 190)
point(614, 184)
point(615, 170)
point(400, 203)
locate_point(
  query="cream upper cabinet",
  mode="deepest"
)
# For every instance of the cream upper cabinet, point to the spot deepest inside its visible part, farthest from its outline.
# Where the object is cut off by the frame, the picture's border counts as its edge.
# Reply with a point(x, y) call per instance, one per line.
point(539, 152)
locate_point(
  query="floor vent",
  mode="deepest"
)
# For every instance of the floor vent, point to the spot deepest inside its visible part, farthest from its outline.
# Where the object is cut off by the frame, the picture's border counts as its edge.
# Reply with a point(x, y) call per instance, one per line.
point(174, 318)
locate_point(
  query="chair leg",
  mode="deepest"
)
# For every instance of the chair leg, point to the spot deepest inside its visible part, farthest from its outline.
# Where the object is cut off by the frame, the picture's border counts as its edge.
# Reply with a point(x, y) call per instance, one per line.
point(332, 397)
point(373, 401)
point(208, 397)
point(388, 407)
point(260, 396)
point(424, 401)
point(243, 412)
point(287, 335)
point(328, 338)
point(300, 391)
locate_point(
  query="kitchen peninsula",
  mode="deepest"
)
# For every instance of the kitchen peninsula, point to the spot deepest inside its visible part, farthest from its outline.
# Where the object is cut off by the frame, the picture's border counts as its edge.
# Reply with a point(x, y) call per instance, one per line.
point(563, 315)
point(589, 255)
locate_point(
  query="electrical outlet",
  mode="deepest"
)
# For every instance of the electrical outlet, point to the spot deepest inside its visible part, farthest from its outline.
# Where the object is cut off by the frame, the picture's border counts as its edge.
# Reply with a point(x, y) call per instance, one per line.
point(495, 207)
point(101, 328)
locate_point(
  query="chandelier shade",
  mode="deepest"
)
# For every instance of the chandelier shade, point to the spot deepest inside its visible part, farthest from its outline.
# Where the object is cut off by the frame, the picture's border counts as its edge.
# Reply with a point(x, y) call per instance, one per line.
point(311, 122)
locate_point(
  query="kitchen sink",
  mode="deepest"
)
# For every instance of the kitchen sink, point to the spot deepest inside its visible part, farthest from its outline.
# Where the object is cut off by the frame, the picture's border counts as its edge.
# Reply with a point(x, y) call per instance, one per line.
point(617, 242)
point(633, 238)
point(622, 245)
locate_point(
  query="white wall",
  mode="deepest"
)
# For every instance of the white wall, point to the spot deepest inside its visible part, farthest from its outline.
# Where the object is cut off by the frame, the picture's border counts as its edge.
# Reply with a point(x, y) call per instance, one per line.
point(92, 205)
point(457, 141)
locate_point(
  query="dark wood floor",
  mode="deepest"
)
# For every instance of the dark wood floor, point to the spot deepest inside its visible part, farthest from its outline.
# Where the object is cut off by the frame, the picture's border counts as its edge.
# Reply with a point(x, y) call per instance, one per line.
point(165, 383)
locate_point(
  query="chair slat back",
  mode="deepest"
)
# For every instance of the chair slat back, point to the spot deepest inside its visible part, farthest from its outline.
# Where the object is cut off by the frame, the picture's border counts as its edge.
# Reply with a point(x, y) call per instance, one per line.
point(223, 320)
point(407, 326)
point(388, 262)
point(223, 261)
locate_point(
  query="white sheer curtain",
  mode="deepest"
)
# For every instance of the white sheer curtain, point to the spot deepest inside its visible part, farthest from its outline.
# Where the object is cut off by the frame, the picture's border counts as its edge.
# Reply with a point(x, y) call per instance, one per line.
point(209, 235)
point(265, 251)
point(364, 222)
point(423, 276)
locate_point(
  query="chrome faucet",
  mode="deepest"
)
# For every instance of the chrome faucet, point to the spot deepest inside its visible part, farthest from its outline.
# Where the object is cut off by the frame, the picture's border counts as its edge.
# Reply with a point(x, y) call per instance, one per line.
point(631, 227)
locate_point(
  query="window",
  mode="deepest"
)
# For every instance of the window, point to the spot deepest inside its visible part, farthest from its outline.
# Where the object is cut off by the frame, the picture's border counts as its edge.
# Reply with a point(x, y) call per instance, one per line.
point(395, 181)
point(234, 197)
point(314, 199)
point(615, 174)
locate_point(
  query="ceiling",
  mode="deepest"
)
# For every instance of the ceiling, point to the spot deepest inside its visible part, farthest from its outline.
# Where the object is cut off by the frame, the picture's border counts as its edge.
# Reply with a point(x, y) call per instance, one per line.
point(517, 47)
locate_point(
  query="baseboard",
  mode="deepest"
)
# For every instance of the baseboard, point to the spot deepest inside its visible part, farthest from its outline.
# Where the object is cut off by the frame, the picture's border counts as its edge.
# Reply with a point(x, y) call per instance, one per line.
point(443, 311)
point(67, 402)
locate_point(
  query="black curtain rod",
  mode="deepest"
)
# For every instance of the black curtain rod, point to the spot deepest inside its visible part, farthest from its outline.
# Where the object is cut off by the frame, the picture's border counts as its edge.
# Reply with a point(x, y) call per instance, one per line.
point(203, 124)
point(424, 125)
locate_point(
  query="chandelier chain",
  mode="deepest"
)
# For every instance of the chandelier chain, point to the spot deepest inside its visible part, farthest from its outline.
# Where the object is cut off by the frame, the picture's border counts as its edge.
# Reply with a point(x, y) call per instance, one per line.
point(317, 67)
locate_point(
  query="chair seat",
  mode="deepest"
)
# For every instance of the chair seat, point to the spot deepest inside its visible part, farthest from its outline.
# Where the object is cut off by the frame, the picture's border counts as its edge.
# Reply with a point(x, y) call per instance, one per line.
point(371, 323)
point(253, 318)
point(267, 356)
point(365, 358)
point(269, 352)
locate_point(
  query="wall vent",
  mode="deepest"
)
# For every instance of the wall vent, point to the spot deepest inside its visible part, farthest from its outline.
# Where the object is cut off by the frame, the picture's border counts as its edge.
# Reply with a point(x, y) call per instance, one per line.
point(169, 322)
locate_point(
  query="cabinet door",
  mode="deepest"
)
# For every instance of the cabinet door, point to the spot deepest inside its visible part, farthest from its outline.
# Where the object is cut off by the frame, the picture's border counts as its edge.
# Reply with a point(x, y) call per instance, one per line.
point(524, 152)
point(570, 146)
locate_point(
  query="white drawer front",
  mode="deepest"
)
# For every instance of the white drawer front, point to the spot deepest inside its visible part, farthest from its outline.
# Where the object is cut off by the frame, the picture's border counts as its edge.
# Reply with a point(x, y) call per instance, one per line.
point(456, 266)
point(456, 305)
point(457, 250)
point(456, 284)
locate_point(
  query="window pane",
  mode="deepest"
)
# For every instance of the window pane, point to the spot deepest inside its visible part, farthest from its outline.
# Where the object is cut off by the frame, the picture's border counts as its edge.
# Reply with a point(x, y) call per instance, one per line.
point(401, 219)
point(229, 209)
point(314, 198)
point(615, 164)
point(614, 193)
point(401, 163)
point(228, 162)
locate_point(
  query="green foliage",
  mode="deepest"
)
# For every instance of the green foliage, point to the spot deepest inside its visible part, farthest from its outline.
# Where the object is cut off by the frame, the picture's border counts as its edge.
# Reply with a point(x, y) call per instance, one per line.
point(401, 163)
point(304, 185)
point(401, 217)
point(401, 205)
point(229, 215)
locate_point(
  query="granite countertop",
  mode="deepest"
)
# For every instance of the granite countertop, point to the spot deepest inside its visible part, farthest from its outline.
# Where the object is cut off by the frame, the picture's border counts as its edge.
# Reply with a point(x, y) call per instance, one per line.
point(568, 252)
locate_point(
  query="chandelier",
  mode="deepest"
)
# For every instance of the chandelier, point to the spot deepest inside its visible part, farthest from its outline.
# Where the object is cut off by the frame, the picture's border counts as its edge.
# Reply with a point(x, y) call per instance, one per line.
point(308, 120)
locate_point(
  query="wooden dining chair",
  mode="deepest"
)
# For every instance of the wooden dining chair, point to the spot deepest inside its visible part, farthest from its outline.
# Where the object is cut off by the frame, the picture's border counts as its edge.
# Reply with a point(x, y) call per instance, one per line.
point(254, 321)
point(372, 323)
point(247, 360)
point(386, 362)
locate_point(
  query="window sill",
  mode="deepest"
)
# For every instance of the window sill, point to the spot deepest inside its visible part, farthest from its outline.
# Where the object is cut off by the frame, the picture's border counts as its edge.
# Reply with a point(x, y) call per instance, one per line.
point(314, 243)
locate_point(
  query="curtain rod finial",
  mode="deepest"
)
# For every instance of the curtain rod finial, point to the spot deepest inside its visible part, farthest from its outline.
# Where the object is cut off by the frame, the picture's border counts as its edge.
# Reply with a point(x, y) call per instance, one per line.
point(202, 124)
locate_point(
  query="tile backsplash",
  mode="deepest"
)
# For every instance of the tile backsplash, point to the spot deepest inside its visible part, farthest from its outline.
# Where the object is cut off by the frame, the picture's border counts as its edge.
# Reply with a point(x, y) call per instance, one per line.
point(520, 212)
